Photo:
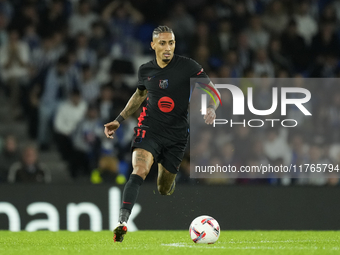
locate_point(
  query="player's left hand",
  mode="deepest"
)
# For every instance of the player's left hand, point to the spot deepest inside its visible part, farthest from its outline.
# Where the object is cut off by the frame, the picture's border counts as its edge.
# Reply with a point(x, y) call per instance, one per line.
point(210, 116)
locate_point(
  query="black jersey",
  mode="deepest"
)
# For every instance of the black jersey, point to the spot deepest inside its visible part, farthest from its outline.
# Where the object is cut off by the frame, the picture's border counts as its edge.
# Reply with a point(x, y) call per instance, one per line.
point(169, 91)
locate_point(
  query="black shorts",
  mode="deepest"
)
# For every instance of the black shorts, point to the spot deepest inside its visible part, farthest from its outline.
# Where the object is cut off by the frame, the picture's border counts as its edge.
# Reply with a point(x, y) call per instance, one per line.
point(167, 152)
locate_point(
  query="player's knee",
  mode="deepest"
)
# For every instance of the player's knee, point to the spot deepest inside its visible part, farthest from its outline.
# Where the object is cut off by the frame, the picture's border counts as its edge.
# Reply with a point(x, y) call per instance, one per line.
point(163, 190)
point(141, 171)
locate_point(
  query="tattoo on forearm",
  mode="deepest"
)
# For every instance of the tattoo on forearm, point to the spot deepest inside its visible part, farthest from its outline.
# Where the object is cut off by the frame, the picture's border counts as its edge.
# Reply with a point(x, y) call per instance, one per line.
point(135, 101)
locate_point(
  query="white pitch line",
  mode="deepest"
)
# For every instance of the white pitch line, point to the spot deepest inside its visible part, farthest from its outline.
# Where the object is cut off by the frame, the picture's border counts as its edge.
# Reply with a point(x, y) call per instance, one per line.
point(193, 246)
point(268, 241)
point(202, 246)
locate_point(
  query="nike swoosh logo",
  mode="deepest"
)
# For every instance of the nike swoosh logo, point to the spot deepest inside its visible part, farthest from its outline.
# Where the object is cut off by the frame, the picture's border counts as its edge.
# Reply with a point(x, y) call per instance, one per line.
point(149, 78)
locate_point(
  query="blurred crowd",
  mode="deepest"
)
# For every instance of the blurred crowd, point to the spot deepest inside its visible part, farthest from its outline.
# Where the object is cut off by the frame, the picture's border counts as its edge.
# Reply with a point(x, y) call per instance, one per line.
point(69, 66)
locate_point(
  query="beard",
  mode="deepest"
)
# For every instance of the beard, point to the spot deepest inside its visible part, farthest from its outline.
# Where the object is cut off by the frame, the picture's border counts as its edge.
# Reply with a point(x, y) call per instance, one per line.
point(166, 60)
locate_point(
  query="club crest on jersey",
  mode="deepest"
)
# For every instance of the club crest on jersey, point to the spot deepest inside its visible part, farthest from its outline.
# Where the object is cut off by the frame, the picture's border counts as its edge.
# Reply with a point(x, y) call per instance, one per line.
point(163, 84)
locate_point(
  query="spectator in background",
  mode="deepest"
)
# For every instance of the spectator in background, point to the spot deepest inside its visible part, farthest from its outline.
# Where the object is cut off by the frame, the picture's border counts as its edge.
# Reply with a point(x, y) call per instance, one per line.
point(201, 38)
point(242, 140)
point(294, 47)
point(183, 25)
point(99, 41)
point(276, 146)
point(14, 68)
point(81, 21)
point(227, 154)
point(334, 118)
point(257, 36)
point(45, 55)
point(3, 32)
point(87, 143)
point(336, 6)
point(224, 71)
point(202, 56)
point(316, 156)
point(123, 20)
point(68, 115)
point(232, 62)
point(54, 18)
point(31, 37)
point(299, 149)
point(224, 38)
point(282, 73)
point(85, 55)
point(327, 66)
point(223, 8)
point(8, 156)
point(209, 16)
point(247, 80)
point(257, 152)
point(123, 146)
point(325, 42)
point(27, 14)
point(108, 172)
point(121, 91)
point(199, 147)
point(239, 17)
point(244, 52)
point(275, 20)
point(74, 68)
point(328, 14)
point(89, 86)
point(277, 58)
point(29, 170)
point(306, 25)
point(57, 87)
point(262, 64)
point(6, 8)
point(59, 39)
point(256, 6)
point(32, 110)
point(107, 109)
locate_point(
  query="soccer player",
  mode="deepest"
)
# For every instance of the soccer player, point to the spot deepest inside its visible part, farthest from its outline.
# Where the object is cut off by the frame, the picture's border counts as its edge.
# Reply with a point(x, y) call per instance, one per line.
point(163, 130)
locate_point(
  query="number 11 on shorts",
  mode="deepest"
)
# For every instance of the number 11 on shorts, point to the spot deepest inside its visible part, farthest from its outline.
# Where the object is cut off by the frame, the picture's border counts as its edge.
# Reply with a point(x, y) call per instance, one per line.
point(143, 133)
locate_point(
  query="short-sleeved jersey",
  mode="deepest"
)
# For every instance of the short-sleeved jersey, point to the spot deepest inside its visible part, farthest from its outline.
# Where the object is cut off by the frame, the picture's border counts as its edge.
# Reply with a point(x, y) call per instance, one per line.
point(169, 91)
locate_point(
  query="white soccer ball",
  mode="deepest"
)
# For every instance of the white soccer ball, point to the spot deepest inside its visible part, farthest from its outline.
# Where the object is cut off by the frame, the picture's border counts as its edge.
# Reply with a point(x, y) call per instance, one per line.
point(204, 229)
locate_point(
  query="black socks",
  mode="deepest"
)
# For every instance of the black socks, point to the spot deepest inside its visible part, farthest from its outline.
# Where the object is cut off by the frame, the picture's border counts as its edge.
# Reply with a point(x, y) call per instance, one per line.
point(124, 215)
point(130, 194)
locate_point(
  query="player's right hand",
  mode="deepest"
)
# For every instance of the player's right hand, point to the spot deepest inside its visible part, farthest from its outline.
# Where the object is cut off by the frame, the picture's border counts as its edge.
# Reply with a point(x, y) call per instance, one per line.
point(110, 128)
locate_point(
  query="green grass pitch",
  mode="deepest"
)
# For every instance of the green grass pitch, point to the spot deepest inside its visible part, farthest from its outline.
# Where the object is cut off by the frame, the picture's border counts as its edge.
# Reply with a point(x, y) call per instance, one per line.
point(169, 242)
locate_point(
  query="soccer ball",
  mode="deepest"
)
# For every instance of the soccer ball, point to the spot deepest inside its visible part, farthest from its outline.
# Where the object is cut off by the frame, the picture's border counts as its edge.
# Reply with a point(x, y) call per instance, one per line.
point(204, 229)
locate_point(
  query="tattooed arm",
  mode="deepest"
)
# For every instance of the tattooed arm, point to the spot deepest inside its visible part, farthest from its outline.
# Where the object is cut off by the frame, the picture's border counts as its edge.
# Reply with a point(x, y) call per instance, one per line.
point(134, 103)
